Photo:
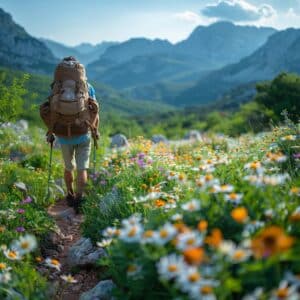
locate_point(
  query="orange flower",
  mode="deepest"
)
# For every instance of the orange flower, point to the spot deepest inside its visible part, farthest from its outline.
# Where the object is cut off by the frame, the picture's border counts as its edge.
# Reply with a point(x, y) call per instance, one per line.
point(181, 227)
point(239, 214)
point(215, 238)
point(194, 256)
point(272, 240)
point(160, 203)
point(202, 225)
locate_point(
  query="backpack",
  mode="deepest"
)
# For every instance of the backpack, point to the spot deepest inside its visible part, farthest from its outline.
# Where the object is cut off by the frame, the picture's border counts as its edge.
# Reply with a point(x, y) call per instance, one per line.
point(69, 110)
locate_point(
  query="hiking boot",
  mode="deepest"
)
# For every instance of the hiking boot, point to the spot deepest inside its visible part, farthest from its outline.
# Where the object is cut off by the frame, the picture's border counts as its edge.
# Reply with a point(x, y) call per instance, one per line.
point(70, 198)
point(78, 201)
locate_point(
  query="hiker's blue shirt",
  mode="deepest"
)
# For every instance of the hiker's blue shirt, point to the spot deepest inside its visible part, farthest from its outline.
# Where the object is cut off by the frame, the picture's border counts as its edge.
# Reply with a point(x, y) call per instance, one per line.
point(80, 138)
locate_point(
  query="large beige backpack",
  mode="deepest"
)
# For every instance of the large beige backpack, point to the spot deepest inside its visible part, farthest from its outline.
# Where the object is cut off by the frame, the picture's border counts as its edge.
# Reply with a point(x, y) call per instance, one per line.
point(69, 110)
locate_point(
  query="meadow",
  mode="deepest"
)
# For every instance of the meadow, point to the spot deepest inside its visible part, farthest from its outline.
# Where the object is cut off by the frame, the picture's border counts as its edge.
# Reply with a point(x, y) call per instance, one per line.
point(211, 219)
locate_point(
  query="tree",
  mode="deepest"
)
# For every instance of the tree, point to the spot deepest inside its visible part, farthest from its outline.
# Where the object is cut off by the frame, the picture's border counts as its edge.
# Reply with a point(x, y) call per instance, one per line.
point(282, 93)
point(11, 97)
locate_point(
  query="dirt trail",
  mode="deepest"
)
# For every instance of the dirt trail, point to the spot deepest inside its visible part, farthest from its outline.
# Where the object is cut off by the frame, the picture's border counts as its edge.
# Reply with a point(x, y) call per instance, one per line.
point(69, 224)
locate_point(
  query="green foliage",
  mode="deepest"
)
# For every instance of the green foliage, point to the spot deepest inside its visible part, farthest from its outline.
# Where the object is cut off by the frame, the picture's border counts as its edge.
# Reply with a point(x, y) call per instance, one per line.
point(11, 97)
point(282, 93)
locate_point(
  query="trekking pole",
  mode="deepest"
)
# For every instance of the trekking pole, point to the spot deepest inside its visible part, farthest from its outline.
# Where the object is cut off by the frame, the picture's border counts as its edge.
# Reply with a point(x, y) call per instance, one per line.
point(94, 156)
point(49, 169)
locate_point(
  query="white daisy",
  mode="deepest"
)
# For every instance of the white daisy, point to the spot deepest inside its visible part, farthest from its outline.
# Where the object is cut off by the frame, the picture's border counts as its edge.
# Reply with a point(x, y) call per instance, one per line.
point(170, 266)
point(165, 234)
point(12, 254)
point(188, 240)
point(188, 278)
point(53, 263)
point(191, 206)
point(233, 198)
point(131, 233)
point(25, 244)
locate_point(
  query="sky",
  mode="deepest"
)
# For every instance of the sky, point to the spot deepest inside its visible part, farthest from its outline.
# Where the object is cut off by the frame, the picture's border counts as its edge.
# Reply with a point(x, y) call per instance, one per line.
point(75, 21)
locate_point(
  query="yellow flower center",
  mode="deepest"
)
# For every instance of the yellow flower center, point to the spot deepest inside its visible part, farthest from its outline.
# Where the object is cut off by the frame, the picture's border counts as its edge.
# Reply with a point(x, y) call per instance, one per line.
point(172, 268)
point(25, 245)
point(2, 266)
point(12, 254)
point(55, 262)
point(132, 232)
point(238, 254)
point(206, 290)
point(148, 234)
point(131, 268)
point(282, 293)
point(194, 277)
point(233, 196)
point(163, 233)
point(190, 241)
point(208, 177)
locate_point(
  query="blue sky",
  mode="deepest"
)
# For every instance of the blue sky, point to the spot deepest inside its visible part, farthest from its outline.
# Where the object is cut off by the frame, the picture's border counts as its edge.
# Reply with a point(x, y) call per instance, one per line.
point(76, 21)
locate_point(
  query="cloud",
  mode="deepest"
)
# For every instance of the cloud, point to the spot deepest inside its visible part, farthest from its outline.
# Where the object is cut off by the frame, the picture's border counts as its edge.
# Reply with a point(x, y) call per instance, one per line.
point(193, 18)
point(238, 11)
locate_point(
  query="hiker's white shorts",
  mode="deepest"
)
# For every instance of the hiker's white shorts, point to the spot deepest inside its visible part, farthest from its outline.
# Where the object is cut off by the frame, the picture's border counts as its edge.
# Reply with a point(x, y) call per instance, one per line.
point(77, 155)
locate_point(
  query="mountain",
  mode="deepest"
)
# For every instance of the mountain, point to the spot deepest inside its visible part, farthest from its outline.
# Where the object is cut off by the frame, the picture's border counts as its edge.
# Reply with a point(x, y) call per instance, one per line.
point(222, 43)
point(85, 52)
point(21, 51)
point(137, 63)
point(281, 53)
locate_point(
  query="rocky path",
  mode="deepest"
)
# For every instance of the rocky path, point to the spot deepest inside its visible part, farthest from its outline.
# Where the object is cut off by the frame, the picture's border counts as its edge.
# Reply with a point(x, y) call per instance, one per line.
point(68, 234)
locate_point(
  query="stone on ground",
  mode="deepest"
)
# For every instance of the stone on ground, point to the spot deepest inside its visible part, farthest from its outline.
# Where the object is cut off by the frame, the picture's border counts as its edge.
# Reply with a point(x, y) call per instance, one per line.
point(102, 291)
point(119, 140)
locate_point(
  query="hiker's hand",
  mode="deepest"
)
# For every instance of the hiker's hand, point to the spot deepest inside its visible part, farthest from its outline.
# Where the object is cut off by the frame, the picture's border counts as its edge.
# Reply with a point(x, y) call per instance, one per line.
point(97, 135)
point(50, 138)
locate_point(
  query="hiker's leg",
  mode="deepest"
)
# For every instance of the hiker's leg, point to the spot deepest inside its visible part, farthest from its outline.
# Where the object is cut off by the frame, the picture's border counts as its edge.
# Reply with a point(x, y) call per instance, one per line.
point(69, 181)
point(68, 156)
point(81, 182)
point(82, 156)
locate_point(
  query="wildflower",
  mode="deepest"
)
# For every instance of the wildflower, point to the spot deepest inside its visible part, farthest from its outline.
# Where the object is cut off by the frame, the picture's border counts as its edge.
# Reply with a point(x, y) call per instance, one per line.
point(239, 255)
point(207, 180)
point(135, 219)
point(53, 263)
point(204, 290)
point(227, 247)
point(68, 278)
point(5, 277)
point(194, 256)
point(255, 295)
point(131, 233)
point(20, 211)
point(234, 198)
point(25, 244)
point(2, 228)
point(104, 243)
point(149, 236)
point(295, 191)
point(295, 216)
point(110, 232)
point(226, 188)
point(275, 157)
point(170, 266)
point(133, 270)
point(12, 254)
point(274, 180)
point(239, 214)
point(285, 291)
point(191, 206)
point(159, 203)
point(27, 200)
point(188, 278)
point(4, 267)
point(272, 240)
point(176, 217)
point(20, 229)
point(188, 240)
point(165, 234)
point(202, 226)
point(255, 167)
point(289, 138)
point(215, 238)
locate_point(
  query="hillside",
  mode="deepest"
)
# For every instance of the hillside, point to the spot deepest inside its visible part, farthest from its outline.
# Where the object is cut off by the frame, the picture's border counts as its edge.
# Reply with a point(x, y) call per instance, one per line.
point(263, 64)
point(21, 51)
point(85, 53)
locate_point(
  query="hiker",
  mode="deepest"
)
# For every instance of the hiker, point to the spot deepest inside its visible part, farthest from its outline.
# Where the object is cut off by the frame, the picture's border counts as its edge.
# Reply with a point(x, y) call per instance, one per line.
point(71, 115)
